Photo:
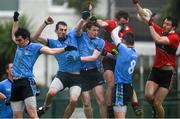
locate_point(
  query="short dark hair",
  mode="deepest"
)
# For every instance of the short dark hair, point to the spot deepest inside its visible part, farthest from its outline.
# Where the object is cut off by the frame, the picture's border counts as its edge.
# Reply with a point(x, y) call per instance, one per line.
point(89, 24)
point(129, 38)
point(173, 20)
point(7, 65)
point(122, 14)
point(22, 32)
point(60, 23)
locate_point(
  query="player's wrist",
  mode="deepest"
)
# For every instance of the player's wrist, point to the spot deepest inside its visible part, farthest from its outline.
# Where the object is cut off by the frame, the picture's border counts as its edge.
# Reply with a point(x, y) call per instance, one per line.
point(15, 16)
point(45, 22)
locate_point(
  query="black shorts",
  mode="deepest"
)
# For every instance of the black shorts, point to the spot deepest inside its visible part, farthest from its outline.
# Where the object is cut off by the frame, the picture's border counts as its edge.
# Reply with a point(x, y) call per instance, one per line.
point(69, 80)
point(91, 78)
point(22, 89)
point(122, 94)
point(161, 77)
point(109, 64)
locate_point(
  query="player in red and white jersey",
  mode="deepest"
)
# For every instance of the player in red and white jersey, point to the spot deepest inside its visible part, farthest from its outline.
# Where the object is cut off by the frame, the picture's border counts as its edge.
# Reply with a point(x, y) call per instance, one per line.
point(166, 53)
point(122, 18)
point(163, 71)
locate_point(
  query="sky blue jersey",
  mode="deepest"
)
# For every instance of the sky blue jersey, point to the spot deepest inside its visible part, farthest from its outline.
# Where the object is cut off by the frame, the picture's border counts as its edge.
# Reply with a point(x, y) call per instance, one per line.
point(125, 64)
point(5, 88)
point(24, 60)
point(64, 64)
point(87, 47)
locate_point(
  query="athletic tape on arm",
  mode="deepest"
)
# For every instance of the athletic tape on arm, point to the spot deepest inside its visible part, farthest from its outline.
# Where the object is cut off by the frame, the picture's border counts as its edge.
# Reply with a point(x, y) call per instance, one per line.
point(114, 35)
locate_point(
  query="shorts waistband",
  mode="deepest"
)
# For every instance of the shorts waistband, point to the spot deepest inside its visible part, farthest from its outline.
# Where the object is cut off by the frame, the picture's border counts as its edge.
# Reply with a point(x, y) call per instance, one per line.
point(167, 67)
point(89, 68)
point(18, 78)
point(76, 73)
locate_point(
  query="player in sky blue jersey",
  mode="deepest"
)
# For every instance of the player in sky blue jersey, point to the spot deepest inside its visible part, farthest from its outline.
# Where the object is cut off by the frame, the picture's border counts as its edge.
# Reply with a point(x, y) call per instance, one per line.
point(90, 48)
point(68, 74)
point(5, 94)
point(124, 68)
point(23, 87)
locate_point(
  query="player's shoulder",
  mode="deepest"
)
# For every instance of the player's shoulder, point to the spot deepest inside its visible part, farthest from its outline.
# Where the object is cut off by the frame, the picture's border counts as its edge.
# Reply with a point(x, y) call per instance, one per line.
point(100, 39)
point(32, 44)
point(3, 81)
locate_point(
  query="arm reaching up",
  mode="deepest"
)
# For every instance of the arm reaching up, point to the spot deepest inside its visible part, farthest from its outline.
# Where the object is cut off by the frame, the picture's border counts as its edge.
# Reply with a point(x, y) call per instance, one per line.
point(15, 25)
point(141, 11)
point(37, 34)
point(85, 16)
point(114, 35)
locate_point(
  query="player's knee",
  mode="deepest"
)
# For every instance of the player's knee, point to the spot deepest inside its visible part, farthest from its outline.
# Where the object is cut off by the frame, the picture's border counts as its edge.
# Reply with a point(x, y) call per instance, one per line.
point(148, 97)
point(86, 106)
point(17, 115)
point(156, 103)
point(74, 100)
point(86, 103)
point(111, 85)
point(52, 92)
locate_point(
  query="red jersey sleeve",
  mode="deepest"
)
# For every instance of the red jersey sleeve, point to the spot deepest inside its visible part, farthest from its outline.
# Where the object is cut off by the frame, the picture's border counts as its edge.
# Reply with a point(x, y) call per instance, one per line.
point(111, 25)
point(173, 39)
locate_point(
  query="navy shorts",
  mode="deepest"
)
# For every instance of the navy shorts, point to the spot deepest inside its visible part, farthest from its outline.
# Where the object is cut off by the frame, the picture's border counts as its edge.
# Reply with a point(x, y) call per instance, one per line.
point(163, 78)
point(109, 64)
point(69, 80)
point(91, 78)
point(22, 89)
point(122, 94)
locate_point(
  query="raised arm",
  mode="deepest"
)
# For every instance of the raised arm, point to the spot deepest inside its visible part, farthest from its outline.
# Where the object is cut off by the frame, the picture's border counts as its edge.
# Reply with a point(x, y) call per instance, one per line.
point(102, 23)
point(37, 35)
point(140, 11)
point(15, 25)
point(85, 17)
point(156, 37)
point(114, 35)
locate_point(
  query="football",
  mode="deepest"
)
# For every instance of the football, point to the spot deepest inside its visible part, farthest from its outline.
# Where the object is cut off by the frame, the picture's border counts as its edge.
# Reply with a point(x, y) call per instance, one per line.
point(148, 14)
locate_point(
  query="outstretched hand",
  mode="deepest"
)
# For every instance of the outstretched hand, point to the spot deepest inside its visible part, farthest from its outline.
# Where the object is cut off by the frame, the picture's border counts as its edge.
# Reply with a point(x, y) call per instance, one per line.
point(72, 58)
point(15, 16)
point(70, 48)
